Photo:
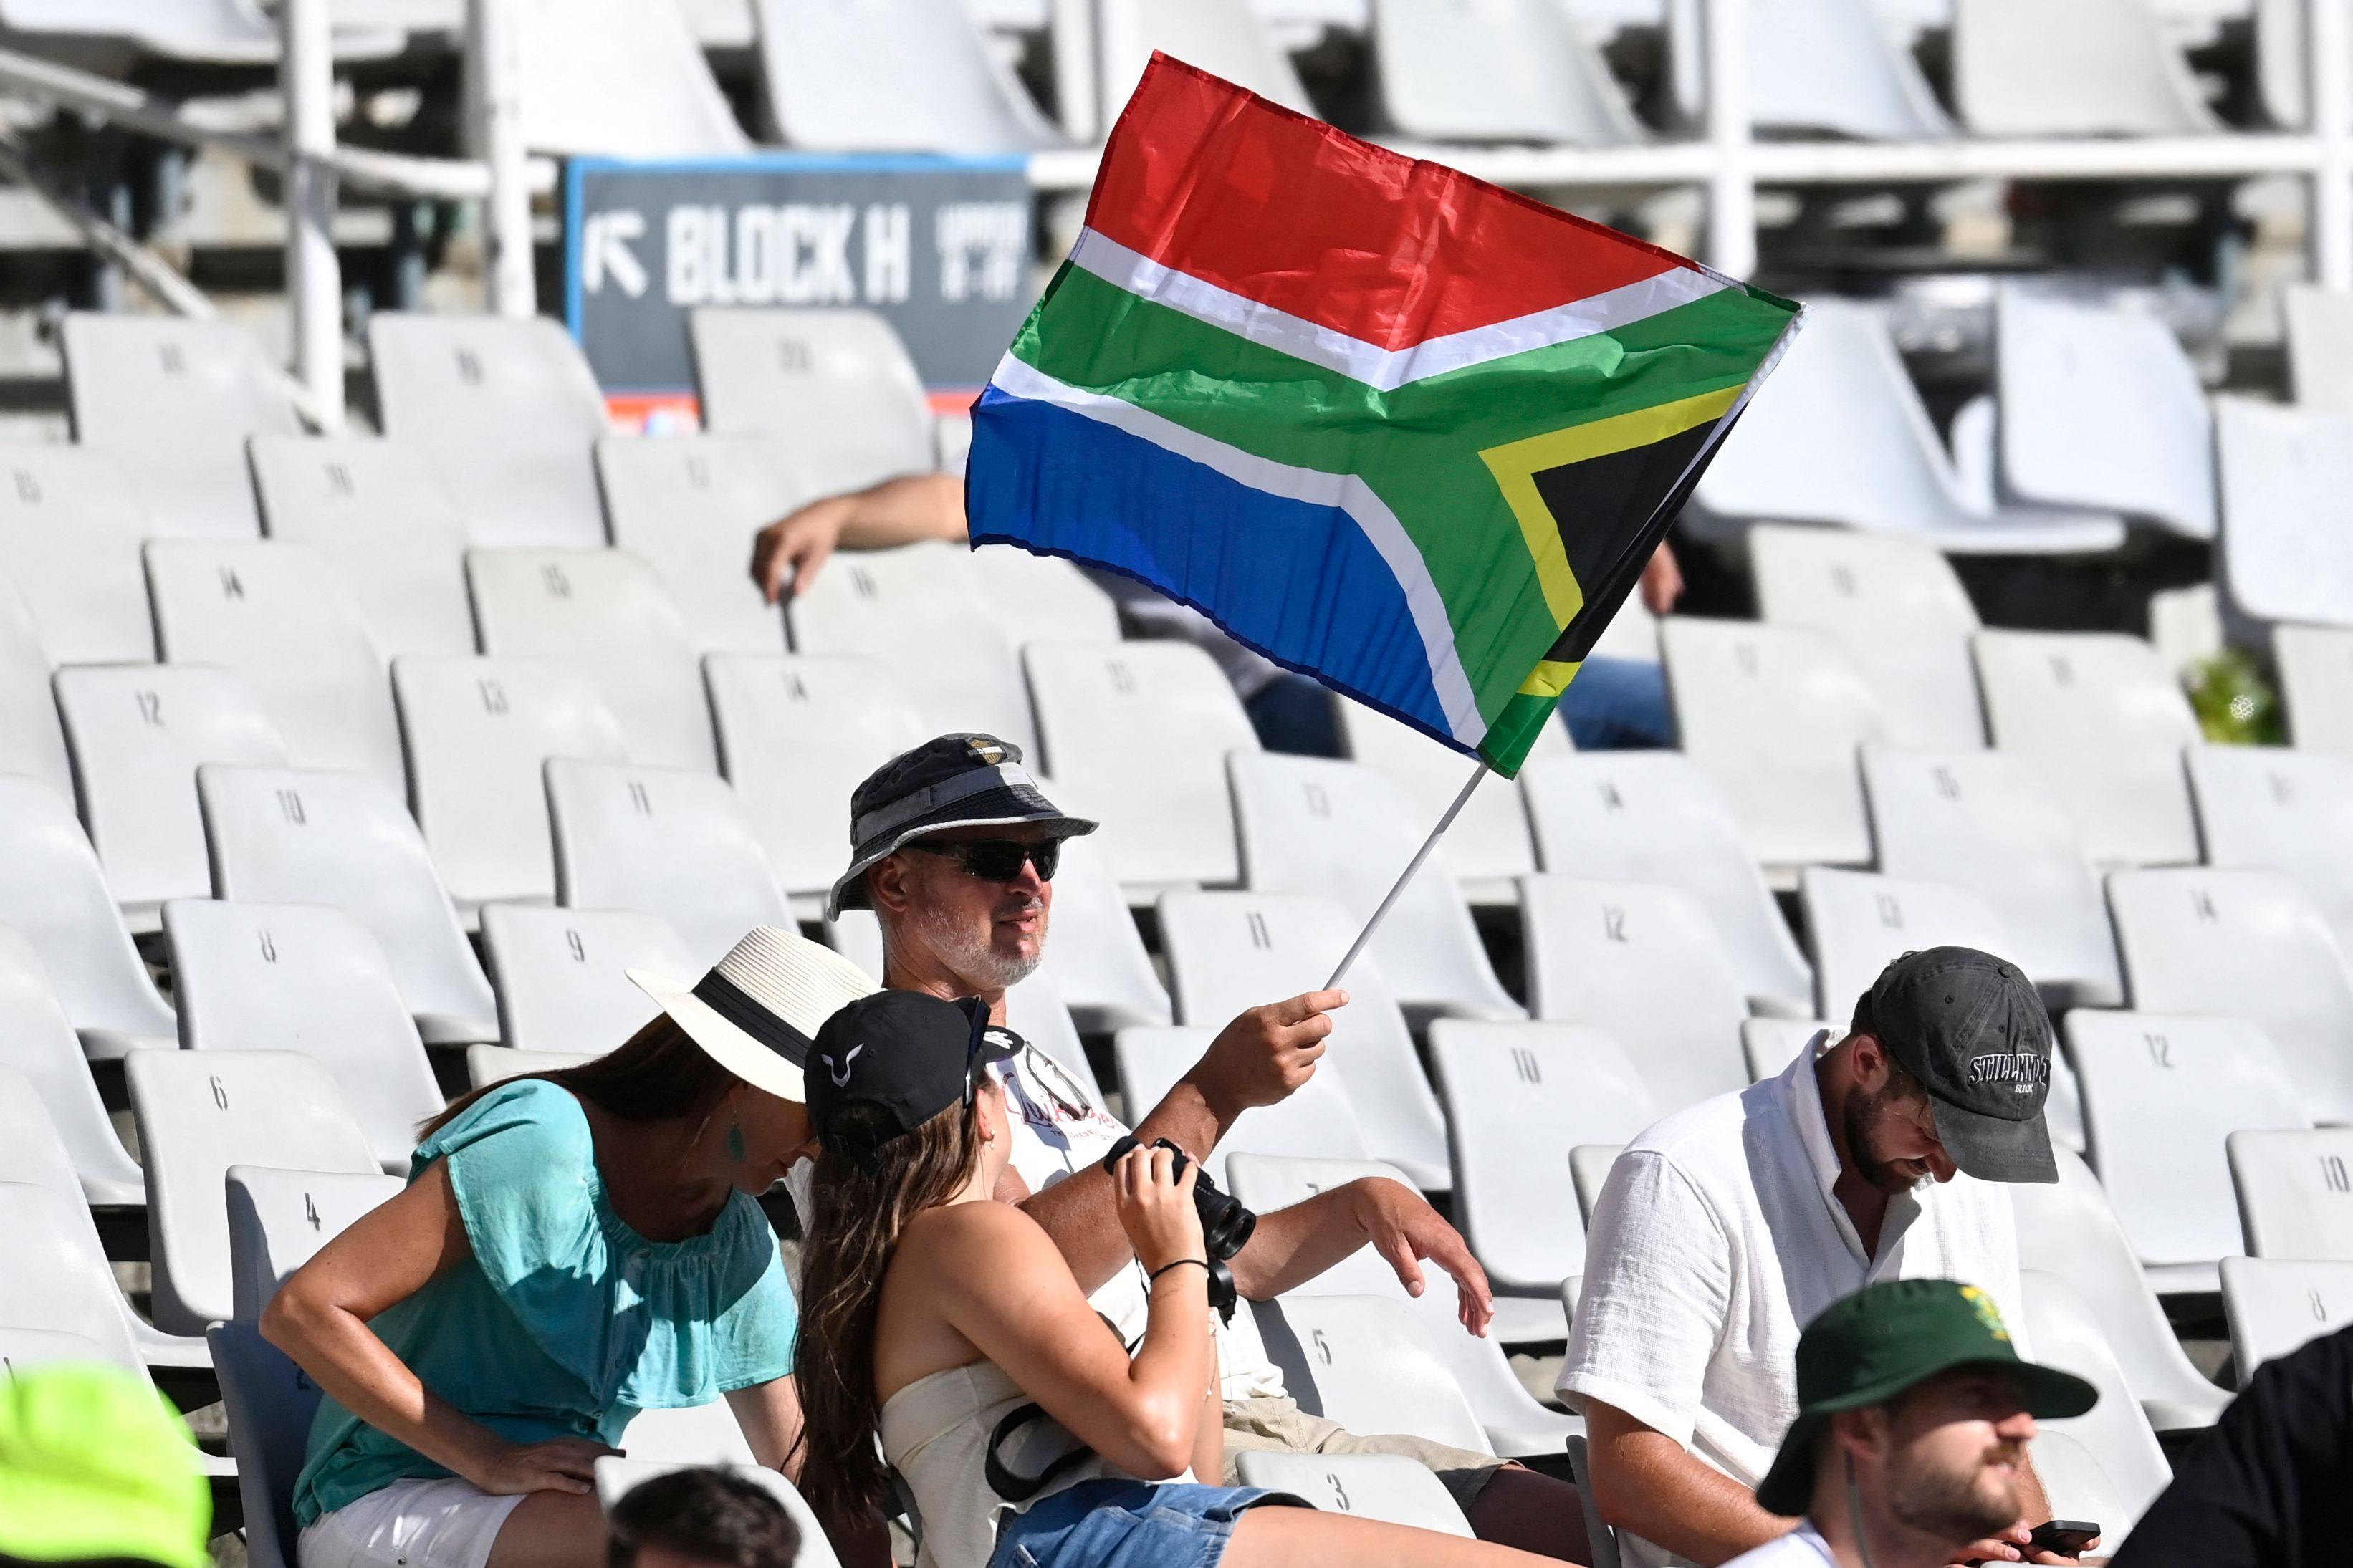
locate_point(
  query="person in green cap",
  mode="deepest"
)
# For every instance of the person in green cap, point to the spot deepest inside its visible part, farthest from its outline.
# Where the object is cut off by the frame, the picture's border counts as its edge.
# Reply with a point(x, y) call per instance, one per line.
point(96, 1468)
point(1914, 1410)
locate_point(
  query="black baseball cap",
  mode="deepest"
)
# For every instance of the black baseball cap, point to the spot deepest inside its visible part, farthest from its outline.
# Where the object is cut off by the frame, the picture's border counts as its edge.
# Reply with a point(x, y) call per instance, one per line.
point(1971, 1028)
point(910, 1054)
point(952, 781)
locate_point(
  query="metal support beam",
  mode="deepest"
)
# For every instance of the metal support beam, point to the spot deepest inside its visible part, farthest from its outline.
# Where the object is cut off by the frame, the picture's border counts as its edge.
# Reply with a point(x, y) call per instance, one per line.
point(314, 277)
point(2328, 35)
point(1730, 181)
point(495, 130)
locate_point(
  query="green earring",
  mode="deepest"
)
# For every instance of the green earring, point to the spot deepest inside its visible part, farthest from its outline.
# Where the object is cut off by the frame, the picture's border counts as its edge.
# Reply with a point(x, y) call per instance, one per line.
point(736, 1150)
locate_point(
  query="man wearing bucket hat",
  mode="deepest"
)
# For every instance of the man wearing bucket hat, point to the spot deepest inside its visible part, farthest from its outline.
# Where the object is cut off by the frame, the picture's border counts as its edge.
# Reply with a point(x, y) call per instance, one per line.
point(954, 848)
point(1914, 1410)
point(1878, 1155)
point(95, 1468)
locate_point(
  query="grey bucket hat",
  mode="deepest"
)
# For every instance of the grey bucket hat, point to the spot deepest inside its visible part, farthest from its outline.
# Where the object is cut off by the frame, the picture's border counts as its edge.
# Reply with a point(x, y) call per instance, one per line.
point(954, 781)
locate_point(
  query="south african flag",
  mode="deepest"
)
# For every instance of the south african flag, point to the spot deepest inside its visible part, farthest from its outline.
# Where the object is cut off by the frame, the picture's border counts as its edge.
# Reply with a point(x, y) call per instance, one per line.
point(1403, 431)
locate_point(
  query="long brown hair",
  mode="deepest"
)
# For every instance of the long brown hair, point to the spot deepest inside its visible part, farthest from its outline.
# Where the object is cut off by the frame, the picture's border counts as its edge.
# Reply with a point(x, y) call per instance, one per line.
point(857, 1213)
point(657, 1074)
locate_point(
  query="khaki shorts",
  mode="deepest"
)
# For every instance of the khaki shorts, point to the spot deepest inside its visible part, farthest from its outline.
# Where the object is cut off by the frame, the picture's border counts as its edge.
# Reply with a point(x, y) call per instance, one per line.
point(1260, 1425)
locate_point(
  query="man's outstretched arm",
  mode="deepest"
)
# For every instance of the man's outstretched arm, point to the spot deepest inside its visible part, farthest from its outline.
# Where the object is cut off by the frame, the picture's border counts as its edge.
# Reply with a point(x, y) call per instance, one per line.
point(788, 555)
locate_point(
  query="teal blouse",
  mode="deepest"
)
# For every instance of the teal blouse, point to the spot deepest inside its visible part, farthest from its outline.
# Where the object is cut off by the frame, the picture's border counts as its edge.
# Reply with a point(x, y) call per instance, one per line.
point(567, 1322)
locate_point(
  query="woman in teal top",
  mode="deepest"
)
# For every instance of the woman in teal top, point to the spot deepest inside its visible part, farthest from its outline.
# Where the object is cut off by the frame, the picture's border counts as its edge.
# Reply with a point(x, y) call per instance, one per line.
point(573, 1247)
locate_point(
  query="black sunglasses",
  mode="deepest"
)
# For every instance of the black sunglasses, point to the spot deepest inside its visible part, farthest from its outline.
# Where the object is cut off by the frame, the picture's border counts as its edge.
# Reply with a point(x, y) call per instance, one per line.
point(999, 860)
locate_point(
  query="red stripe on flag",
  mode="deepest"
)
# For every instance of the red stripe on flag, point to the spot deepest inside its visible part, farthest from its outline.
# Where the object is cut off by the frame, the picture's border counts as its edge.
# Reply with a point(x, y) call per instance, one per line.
point(1214, 180)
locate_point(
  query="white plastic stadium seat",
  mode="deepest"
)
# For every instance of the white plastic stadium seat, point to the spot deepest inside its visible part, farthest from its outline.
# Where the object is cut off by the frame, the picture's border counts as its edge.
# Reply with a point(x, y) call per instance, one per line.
point(308, 978)
point(1989, 822)
point(377, 510)
point(23, 1348)
point(279, 1219)
point(2275, 1305)
point(604, 611)
point(270, 1402)
point(1489, 845)
point(1815, 67)
point(281, 618)
point(1774, 714)
point(1224, 37)
point(1894, 605)
point(39, 1048)
point(71, 531)
point(1365, 1363)
point(2100, 409)
point(138, 733)
point(199, 1113)
point(1769, 1045)
point(1094, 955)
point(1518, 1097)
point(487, 1066)
point(53, 893)
point(1137, 735)
point(1495, 70)
point(477, 731)
point(621, 78)
point(1034, 1010)
point(2067, 1229)
point(170, 402)
point(616, 1476)
point(1310, 825)
point(1588, 1168)
point(798, 732)
point(2286, 477)
point(2296, 1191)
point(1386, 1486)
point(2161, 1095)
point(1316, 1122)
point(505, 409)
point(561, 975)
point(2061, 1330)
point(50, 1283)
point(1047, 598)
point(837, 384)
point(949, 93)
point(284, 835)
point(2247, 944)
point(1858, 922)
point(687, 506)
point(669, 841)
point(915, 612)
point(1230, 952)
point(2268, 808)
point(2104, 722)
point(1641, 963)
point(29, 737)
point(1517, 1424)
point(2316, 676)
point(2320, 344)
point(2089, 68)
point(1838, 435)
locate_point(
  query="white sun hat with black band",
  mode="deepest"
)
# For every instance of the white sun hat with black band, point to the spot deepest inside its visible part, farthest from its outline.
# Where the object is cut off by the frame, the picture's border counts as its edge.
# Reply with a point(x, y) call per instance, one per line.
point(954, 780)
point(759, 1008)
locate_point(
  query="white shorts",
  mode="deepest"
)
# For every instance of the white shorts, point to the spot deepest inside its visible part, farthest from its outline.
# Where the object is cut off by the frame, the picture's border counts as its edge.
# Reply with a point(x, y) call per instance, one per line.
point(409, 1524)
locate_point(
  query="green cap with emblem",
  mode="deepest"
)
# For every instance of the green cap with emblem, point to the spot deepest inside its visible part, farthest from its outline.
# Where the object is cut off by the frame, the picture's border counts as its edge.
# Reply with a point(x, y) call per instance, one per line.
point(1884, 1339)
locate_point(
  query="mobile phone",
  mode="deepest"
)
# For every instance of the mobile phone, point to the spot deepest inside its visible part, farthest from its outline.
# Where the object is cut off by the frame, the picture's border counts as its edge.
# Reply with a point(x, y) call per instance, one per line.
point(2065, 1537)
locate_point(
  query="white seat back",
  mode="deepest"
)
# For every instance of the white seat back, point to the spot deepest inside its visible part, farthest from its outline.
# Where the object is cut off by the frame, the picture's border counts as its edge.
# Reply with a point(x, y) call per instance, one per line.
point(53, 893)
point(478, 732)
point(1588, 1168)
point(1094, 955)
point(1386, 1486)
point(1642, 963)
point(2104, 722)
point(1769, 1045)
point(620, 78)
point(71, 529)
point(1858, 922)
point(487, 1066)
point(2064, 1332)
point(1489, 844)
point(2296, 1191)
point(1229, 952)
point(39, 1051)
point(2090, 67)
point(29, 735)
point(52, 1282)
point(1034, 1010)
point(2247, 944)
point(1048, 598)
point(668, 841)
point(199, 1113)
point(138, 733)
point(279, 617)
point(2316, 677)
point(279, 1219)
point(270, 1402)
point(2268, 808)
point(505, 409)
point(1495, 70)
point(1224, 37)
point(837, 384)
point(2276, 1306)
point(1318, 1121)
point(562, 974)
point(1137, 734)
point(2319, 343)
point(687, 506)
point(947, 92)
point(1363, 1361)
point(1309, 824)
point(1814, 67)
point(2286, 477)
point(1775, 714)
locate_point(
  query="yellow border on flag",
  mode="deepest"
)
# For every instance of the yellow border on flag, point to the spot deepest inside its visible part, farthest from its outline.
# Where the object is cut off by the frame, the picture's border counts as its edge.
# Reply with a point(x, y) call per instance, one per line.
point(1516, 464)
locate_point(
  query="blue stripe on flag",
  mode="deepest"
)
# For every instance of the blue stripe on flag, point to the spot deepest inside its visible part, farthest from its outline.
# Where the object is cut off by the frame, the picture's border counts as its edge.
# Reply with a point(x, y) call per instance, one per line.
point(1295, 580)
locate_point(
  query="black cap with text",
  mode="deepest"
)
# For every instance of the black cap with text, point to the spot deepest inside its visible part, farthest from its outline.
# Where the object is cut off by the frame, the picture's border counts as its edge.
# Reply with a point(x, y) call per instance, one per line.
point(1971, 1028)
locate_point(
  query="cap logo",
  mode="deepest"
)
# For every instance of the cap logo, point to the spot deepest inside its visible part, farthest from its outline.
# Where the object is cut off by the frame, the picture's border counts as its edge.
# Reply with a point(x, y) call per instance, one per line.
point(2024, 1071)
point(988, 752)
point(1988, 1313)
point(841, 1074)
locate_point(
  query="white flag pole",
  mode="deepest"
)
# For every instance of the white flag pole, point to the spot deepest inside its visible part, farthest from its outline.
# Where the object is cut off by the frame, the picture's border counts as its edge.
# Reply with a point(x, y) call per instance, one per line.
point(1412, 866)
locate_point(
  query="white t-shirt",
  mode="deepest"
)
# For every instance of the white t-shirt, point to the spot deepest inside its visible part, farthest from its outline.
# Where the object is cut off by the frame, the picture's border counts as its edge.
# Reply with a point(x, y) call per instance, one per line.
point(1717, 1239)
point(1801, 1548)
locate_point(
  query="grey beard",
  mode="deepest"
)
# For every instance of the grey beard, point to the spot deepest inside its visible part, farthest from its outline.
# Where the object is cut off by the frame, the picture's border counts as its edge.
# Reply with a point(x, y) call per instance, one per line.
point(967, 952)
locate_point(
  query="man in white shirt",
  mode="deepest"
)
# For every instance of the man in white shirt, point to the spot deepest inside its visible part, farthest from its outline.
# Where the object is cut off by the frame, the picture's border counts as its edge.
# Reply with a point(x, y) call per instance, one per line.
point(954, 848)
point(1725, 1226)
point(1910, 1442)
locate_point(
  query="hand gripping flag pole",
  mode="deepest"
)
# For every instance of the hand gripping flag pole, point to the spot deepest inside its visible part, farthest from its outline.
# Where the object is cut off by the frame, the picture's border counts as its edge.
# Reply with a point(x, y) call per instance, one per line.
point(1429, 843)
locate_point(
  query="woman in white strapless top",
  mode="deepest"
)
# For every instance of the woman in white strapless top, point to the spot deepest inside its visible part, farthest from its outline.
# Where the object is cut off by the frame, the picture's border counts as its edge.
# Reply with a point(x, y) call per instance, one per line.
point(948, 1322)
